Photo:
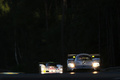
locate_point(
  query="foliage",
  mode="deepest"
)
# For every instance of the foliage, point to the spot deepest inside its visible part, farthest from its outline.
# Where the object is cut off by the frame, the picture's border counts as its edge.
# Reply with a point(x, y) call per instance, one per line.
point(4, 7)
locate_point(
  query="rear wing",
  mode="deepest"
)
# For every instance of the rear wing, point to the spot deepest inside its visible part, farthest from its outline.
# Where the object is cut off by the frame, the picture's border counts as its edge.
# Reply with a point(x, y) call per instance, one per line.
point(72, 56)
point(95, 55)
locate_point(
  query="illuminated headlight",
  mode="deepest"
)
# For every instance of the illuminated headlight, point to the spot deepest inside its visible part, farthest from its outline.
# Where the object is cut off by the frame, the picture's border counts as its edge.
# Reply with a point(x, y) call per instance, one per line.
point(42, 69)
point(95, 64)
point(61, 69)
point(72, 65)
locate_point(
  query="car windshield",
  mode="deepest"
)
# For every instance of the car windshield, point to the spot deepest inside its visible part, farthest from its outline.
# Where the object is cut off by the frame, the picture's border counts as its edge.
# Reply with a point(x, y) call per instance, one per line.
point(84, 57)
point(50, 64)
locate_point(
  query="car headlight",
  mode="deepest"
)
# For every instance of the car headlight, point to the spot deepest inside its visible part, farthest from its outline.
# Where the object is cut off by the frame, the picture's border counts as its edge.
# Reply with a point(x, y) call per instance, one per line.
point(61, 69)
point(95, 64)
point(42, 69)
point(72, 65)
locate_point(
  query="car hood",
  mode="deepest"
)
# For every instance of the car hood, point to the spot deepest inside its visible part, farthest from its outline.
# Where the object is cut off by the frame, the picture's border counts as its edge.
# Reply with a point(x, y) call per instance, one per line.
point(84, 62)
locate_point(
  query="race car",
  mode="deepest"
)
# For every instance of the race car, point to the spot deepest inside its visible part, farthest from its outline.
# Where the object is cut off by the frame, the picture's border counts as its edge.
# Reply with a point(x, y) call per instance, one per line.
point(83, 61)
point(50, 67)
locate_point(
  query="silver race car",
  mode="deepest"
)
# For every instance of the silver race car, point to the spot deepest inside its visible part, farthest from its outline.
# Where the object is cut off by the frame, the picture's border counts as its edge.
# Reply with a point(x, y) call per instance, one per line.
point(83, 61)
point(50, 67)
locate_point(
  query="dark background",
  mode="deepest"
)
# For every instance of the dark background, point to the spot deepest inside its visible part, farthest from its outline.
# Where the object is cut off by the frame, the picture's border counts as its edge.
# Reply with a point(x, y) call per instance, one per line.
point(33, 31)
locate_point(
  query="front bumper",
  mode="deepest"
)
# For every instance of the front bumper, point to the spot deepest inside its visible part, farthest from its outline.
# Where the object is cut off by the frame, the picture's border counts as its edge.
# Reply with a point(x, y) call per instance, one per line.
point(51, 71)
point(84, 67)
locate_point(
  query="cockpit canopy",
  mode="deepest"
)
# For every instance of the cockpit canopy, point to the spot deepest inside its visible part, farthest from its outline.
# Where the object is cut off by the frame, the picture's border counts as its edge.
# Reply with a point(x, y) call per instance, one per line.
point(83, 57)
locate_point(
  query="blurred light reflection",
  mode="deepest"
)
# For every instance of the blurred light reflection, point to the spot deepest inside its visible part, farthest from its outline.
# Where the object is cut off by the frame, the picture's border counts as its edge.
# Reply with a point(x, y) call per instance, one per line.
point(95, 72)
point(72, 72)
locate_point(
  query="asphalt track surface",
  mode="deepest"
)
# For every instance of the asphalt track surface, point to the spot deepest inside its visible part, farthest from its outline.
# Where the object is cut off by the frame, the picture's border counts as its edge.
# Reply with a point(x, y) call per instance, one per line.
point(64, 76)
